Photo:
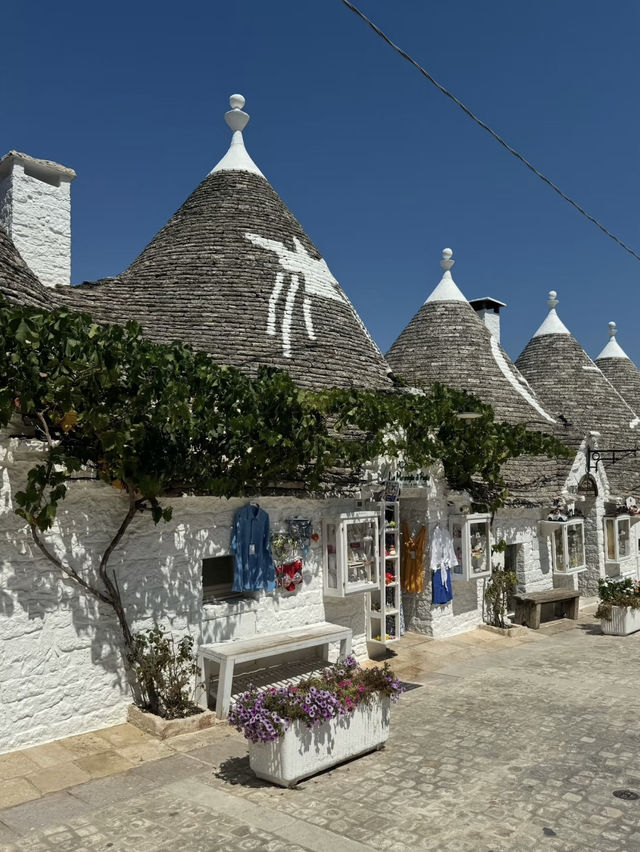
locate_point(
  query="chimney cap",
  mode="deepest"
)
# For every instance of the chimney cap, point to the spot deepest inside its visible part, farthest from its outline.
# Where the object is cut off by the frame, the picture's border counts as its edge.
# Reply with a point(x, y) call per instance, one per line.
point(486, 302)
point(46, 168)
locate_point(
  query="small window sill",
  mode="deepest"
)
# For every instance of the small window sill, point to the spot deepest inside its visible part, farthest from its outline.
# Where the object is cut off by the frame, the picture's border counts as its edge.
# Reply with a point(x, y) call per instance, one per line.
point(578, 570)
point(234, 604)
point(622, 568)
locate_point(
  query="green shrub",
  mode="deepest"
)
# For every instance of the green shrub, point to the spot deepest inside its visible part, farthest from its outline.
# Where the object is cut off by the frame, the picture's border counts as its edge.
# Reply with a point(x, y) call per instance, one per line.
point(165, 673)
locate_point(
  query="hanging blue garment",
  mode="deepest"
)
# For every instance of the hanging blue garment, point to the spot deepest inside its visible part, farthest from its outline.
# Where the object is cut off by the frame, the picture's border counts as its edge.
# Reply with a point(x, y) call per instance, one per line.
point(251, 548)
point(443, 558)
point(442, 592)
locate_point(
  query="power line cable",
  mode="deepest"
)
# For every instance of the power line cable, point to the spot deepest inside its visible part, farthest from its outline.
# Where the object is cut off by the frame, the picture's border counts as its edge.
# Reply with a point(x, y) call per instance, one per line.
point(486, 127)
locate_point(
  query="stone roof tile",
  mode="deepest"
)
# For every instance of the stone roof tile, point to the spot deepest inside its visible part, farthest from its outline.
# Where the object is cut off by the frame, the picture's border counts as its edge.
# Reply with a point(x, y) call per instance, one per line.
point(18, 284)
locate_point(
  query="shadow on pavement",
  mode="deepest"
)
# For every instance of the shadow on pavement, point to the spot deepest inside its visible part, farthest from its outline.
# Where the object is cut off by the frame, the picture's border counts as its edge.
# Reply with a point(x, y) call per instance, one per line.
point(236, 770)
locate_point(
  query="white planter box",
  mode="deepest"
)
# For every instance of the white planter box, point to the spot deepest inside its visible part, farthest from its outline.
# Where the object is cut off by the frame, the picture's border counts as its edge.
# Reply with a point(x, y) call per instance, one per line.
point(624, 620)
point(303, 751)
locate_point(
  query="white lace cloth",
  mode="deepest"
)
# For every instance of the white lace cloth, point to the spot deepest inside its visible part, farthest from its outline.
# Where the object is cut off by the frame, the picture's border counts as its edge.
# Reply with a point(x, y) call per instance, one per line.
point(442, 555)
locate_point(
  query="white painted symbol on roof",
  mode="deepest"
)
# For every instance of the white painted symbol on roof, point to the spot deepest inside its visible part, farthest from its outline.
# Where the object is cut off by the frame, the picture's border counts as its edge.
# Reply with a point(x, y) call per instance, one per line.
point(316, 278)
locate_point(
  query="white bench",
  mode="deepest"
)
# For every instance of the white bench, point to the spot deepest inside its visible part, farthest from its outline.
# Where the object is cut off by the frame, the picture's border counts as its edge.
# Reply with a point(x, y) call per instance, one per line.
point(227, 654)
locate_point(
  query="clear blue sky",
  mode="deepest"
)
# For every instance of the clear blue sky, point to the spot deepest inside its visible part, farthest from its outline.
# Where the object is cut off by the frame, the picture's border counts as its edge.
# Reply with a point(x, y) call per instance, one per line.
point(381, 170)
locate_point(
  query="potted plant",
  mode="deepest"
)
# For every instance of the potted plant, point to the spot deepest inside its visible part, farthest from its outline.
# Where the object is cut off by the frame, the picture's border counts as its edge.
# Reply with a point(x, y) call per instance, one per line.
point(619, 607)
point(498, 589)
point(299, 730)
point(166, 675)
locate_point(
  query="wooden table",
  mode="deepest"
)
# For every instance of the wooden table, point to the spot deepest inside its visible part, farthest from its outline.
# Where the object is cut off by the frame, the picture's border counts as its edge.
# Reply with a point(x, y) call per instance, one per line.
point(227, 654)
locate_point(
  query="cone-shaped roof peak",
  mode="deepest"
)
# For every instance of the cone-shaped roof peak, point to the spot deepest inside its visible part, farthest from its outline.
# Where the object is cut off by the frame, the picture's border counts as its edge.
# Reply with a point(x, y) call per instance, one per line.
point(447, 342)
point(552, 323)
point(234, 274)
point(447, 290)
point(237, 157)
point(613, 348)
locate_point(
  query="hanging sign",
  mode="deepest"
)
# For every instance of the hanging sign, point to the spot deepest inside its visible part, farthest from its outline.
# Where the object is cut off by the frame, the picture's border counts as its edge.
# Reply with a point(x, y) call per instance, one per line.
point(588, 485)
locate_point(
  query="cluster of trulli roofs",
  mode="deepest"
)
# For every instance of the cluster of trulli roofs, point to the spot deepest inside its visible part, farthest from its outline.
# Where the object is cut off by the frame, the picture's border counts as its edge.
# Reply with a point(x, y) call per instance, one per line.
point(234, 274)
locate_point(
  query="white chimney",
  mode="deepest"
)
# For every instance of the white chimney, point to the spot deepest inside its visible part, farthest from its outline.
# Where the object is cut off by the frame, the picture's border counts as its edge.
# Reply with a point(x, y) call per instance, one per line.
point(489, 312)
point(35, 210)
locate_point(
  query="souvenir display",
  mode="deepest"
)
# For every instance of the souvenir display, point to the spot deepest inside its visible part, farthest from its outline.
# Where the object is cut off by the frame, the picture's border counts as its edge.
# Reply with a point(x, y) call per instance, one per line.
point(385, 602)
point(351, 553)
point(289, 575)
point(565, 528)
point(618, 536)
point(471, 536)
point(290, 546)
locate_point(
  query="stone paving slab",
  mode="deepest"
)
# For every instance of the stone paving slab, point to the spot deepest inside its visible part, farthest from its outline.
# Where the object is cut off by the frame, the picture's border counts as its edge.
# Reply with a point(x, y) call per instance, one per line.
point(517, 749)
point(54, 809)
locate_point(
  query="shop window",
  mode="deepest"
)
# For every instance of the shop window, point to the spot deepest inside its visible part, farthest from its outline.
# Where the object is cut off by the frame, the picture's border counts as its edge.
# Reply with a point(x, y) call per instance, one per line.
point(567, 544)
point(618, 538)
point(352, 554)
point(471, 536)
point(217, 579)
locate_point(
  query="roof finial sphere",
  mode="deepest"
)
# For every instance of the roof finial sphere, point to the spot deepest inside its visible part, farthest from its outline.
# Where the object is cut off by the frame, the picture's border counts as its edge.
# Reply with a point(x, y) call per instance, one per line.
point(446, 262)
point(612, 329)
point(236, 118)
point(552, 302)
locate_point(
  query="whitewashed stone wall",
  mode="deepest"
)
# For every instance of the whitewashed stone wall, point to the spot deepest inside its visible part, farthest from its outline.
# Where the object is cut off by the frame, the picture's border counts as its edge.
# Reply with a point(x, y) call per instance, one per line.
point(428, 507)
point(37, 217)
point(521, 527)
point(61, 666)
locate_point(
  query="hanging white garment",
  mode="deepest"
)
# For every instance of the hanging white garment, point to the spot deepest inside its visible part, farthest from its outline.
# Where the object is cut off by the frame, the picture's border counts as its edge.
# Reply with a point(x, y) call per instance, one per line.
point(442, 555)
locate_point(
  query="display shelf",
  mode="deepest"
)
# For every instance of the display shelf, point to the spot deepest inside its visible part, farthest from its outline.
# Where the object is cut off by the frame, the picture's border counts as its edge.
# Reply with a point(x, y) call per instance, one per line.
point(386, 598)
point(351, 556)
point(471, 534)
point(617, 532)
point(567, 544)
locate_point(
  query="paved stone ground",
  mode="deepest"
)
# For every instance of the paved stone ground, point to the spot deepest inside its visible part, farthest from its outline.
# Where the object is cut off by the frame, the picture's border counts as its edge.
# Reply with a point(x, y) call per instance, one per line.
point(516, 749)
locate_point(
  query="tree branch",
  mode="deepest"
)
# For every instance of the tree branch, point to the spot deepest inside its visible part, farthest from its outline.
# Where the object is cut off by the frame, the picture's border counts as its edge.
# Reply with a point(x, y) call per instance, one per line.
point(112, 585)
point(70, 572)
point(45, 428)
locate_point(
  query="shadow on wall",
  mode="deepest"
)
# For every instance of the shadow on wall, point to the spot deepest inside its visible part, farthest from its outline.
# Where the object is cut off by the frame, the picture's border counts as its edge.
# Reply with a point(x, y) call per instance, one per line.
point(50, 625)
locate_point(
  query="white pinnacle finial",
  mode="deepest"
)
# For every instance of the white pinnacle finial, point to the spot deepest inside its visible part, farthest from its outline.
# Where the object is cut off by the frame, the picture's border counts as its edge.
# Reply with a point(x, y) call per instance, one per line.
point(236, 118)
point(613, 348)
point(446, 263)
point(237, 158)
point(552, 324)
point(447, 290)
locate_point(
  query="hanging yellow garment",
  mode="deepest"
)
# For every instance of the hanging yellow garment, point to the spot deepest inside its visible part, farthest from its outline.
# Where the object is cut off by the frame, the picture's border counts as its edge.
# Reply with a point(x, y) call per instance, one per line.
point(412, 572)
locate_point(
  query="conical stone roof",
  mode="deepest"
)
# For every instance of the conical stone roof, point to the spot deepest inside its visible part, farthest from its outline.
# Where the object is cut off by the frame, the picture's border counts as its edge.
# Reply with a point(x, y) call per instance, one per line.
point(234, 274)
point(575, 390)
point(620, 370)
point(447, 342)
point(18, 284)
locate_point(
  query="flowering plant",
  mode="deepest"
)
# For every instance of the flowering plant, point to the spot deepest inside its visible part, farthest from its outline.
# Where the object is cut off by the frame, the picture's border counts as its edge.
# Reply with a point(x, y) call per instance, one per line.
point(264, 715)
point(617, 593)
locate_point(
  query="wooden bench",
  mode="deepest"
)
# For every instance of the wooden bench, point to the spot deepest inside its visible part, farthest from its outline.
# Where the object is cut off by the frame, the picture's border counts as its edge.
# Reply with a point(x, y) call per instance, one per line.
point(227, 654)
point(528, 606)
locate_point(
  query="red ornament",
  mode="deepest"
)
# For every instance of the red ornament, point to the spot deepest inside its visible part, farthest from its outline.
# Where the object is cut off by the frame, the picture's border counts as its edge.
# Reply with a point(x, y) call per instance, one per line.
point(315, 536)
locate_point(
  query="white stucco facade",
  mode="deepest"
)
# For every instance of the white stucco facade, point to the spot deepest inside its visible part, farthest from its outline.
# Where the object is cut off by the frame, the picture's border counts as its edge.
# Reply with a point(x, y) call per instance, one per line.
point(60, 650)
